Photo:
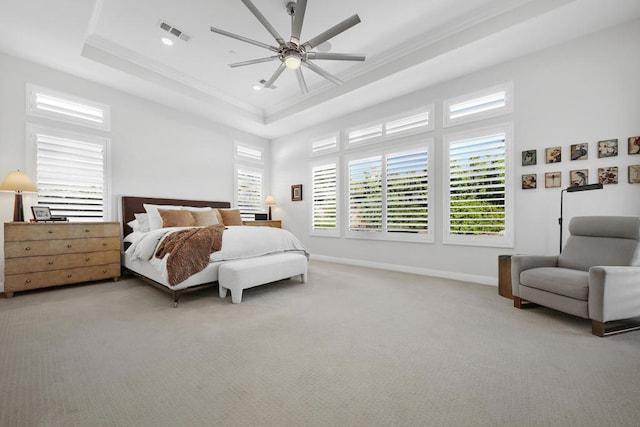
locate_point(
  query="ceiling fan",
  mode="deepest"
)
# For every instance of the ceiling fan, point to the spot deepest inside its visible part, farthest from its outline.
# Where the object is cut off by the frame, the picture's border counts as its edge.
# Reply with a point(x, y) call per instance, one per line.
point(293, 54)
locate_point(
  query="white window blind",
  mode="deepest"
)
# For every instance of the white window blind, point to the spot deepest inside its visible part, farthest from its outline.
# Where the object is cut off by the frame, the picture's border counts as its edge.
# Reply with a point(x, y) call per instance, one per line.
point(249, 193)
point(408, 191)
point(63, 107)
point(404, 124)
point(365, 194)
point(325, 145)
point(324, 196)
point(71, 176)
point(409, 123)
point(483, 104)
point(477, 193)
point(364, 134)
point(244, 152)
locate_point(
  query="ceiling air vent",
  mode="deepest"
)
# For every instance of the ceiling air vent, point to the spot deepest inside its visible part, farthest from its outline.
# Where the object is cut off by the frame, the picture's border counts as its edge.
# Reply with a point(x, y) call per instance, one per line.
point(174, 31)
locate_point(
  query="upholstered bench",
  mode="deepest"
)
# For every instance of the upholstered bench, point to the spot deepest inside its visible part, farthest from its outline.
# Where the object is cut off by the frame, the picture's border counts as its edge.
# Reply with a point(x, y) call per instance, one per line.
point(242, 274)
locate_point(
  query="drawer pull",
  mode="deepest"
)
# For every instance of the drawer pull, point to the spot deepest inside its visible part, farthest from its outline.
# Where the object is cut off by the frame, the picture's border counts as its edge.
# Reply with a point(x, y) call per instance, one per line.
point(87, 259)
point(50, 262)
point(104, 271)
point(69, 275)
point(27, 281)
point(28, 248)
point(69, 245)
point(50, 231)
point(86, 230)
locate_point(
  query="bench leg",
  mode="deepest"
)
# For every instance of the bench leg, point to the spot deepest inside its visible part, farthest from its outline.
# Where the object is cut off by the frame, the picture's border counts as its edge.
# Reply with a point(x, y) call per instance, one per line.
point(236, 296)
point(222, 291)
point(303, 277)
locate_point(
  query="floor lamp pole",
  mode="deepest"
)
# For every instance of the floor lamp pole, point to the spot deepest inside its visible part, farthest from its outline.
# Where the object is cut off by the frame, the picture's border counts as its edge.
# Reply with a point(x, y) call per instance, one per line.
point(560, 219)
point(573, 190)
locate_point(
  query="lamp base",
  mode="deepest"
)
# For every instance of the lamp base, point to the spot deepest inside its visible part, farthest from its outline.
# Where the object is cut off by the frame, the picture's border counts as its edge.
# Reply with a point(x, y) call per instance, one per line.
point(269, 213)
point(18, 212)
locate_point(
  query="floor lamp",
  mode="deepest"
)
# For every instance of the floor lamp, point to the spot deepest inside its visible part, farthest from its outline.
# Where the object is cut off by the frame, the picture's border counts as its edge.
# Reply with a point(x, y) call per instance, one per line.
point(573, 190)
point(18, 182)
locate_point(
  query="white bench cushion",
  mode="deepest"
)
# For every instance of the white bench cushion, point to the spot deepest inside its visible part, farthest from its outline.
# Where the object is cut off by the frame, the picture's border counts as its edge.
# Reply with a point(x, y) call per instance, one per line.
point(247, 273)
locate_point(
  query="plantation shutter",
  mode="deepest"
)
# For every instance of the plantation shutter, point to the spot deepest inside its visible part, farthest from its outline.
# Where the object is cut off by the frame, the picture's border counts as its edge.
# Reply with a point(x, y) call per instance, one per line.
point(249, 188)
point(477, 189)
point(365, 194)
point(408, 191)
point(324, 188)
point(71, 177)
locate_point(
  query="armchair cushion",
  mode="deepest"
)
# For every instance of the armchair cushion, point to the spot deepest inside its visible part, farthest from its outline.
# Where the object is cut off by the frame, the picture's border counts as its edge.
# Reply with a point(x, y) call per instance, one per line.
point(562, 281)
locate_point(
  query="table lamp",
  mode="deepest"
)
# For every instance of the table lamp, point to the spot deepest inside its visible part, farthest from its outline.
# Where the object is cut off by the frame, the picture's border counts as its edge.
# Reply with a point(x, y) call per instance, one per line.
point(270, 202)
point(18, 182)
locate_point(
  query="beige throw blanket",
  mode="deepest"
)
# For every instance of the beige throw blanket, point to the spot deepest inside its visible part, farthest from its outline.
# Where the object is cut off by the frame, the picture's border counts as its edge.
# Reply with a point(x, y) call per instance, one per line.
point(189, 251)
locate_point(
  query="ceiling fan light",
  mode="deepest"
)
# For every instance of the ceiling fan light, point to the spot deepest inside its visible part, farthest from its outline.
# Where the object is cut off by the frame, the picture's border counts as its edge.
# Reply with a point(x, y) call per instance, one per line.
point(292, 62)
point(166, 41)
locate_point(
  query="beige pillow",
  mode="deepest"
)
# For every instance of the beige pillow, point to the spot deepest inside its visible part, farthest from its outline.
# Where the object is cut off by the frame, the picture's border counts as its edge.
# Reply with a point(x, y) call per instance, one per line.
point(230, 216)
point(175, 218)
point(206, 218)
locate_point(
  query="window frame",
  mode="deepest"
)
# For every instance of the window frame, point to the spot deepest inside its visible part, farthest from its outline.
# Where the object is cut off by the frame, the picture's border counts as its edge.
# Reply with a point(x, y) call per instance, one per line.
point(506, 240)
point(337, 232)
point(32, 130)
point(506, 109)
point(399, 146)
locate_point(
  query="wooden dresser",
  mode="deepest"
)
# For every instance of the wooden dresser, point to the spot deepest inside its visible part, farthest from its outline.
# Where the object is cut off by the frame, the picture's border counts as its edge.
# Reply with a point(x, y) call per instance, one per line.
point(51, 254)
point(265, 223)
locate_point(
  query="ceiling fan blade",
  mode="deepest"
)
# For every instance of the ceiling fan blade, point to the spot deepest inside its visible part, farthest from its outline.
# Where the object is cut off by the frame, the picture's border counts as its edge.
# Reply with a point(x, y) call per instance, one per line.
point(313, 67)
point(264, 21)
point(332, 32)
point(301, 82)
point(275, 76)
point(335, 56)
point(298, 18)
point(244, 39)
point(253, 61)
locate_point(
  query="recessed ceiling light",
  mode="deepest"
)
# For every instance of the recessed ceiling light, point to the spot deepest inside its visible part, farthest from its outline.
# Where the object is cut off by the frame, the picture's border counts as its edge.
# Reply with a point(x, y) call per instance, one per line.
point(257, 86)
point(167, 41)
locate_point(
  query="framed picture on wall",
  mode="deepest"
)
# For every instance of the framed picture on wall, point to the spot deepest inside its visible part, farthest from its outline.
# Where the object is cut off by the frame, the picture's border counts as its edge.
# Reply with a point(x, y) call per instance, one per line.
point(608, 175)
point(529, 157)
point(579, 177)
point(579, 151)
point(634, 145)
point(553, 154)
point(296, 193)
point(552, 179)
point(529, 181)
point(634, 174)
point(607, 148)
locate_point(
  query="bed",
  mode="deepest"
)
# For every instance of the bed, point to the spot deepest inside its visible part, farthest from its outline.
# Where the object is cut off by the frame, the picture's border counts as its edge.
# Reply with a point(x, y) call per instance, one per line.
point(238, 242)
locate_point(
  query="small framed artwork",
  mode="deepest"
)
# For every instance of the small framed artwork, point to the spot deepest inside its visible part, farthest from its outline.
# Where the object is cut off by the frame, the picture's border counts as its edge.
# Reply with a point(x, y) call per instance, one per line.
point(608, 148)
point(529, 157)
point(579, 177)
point(529, 181)
point(579, 151)
point(634, 174)
point(634, 145)
point(41, 213)
point(296, 193)
point(608, 175)
point(553, 154)
point(552, 179)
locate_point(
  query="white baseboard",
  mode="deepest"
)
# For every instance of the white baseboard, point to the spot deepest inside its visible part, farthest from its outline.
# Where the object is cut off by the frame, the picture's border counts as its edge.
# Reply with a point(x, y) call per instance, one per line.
point(484, 280)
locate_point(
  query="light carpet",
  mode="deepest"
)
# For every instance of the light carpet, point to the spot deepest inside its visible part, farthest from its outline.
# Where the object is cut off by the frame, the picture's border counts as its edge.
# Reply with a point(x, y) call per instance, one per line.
point(352, 347)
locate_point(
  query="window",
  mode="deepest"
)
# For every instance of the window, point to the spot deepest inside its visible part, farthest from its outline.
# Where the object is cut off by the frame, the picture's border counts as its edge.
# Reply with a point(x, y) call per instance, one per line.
point(478, 192)
point(324, 145)
point(248, 153)
point(490, 102)
point(249, 192)
point(389, 195)
point(405, 124)
point(67, 108)
point(71, 173)
point(324, 196)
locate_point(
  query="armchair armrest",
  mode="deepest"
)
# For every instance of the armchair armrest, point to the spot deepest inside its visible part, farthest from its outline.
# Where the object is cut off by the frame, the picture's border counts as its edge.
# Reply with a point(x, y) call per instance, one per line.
point(614, 293)
point(519, 263)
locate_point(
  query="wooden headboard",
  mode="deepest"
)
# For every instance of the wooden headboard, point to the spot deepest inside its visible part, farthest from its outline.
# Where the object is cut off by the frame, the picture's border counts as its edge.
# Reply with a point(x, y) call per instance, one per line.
point(132, 205)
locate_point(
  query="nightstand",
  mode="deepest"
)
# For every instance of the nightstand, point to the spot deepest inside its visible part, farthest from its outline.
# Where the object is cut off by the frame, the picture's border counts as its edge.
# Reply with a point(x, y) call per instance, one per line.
point(51, 254)
point(266, 223)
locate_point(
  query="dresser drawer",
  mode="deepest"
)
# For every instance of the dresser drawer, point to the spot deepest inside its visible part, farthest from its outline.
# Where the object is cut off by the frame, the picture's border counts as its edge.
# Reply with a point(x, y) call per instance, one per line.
point(49, 231)
point(43, 279)
point(57, 247)
point(59, 262)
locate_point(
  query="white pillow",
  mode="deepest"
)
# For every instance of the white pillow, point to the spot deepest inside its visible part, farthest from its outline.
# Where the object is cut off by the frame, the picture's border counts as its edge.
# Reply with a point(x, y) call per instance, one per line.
point(155, 220)
point(194, 209)
point(132, 237)
point(143, 222)
point(135, 226)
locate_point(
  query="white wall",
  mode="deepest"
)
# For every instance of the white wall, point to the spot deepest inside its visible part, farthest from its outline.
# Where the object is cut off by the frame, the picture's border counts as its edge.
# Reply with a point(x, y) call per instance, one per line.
point(583, 91)
point(155, 151)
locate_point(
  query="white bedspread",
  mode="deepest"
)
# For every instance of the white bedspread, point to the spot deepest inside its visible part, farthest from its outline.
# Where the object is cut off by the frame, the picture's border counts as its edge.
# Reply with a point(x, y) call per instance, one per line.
point(237, 242)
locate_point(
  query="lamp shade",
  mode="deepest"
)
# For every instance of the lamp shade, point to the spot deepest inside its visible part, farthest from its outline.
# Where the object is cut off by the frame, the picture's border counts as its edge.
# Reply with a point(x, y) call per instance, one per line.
point(270, 201)
point(18, 181)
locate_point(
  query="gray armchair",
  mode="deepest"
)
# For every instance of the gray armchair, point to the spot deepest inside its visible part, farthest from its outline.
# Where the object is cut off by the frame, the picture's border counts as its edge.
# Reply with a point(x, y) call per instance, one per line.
point(597, 275)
